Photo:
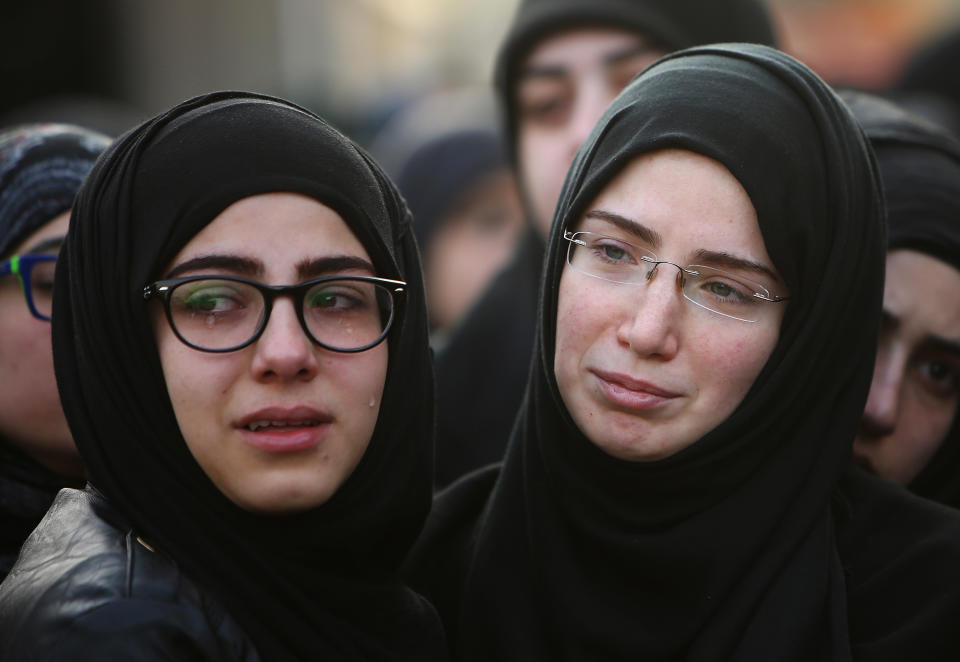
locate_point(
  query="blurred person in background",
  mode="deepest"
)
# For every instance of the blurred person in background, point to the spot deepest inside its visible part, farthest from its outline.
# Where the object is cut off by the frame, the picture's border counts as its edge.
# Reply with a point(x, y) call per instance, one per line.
point(929, 85)
point(560, 65)
point(41, 169)
point(467, 217)
point(909, 433)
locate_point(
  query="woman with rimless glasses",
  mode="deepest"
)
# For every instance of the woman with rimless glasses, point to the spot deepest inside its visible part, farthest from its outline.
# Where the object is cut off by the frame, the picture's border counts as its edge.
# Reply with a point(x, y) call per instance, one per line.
point(678, 484)
point(241, 346)
point(41, 168)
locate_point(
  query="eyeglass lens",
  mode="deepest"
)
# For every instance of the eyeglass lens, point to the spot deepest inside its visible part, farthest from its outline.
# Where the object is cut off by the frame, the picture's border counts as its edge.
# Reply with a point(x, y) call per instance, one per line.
point(218, 314)
point(617, 261)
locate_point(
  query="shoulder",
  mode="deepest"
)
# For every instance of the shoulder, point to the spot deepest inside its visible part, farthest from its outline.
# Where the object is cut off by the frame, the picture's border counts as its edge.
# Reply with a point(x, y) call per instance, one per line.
point(437, 563)
point(87, 587)
point(900, 554)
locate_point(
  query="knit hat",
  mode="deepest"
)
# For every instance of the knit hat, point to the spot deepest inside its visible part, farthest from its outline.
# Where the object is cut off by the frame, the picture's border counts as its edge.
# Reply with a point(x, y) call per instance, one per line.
point(41, 168)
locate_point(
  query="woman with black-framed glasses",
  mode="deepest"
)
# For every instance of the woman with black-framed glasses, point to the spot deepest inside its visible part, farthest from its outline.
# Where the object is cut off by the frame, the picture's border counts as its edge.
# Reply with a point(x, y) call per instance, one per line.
point(242, 350)
point(41, 168)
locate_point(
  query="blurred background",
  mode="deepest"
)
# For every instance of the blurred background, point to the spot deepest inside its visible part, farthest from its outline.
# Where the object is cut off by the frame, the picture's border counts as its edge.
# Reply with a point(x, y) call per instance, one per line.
point(109, 63)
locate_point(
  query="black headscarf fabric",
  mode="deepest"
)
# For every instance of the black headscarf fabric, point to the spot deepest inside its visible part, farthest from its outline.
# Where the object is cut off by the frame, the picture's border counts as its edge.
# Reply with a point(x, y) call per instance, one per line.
point(315, 585)
point(920, 167)
point(483, 368)
point(725, 550)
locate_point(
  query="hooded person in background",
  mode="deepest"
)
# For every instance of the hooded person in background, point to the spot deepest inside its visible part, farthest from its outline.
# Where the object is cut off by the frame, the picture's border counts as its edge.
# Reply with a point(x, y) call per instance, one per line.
point(41, 169)
point(560, 65)
point(909, 433)
point(678, 486)
point(467, 217)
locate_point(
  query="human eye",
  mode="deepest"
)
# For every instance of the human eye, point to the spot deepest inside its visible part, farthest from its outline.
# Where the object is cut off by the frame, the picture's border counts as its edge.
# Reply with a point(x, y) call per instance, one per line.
point(611, 251)
point(544, 102)
point(210, 298)
point(339, 297)
point(940, 377)
point(722, 289)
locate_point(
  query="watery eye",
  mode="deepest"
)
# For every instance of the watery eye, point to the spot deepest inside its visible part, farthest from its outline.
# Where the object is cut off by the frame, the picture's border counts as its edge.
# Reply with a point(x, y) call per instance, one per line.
point(614, 252)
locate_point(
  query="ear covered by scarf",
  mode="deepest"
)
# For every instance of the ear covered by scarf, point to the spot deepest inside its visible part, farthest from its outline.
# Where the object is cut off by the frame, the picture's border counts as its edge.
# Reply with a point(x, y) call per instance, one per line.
point(315, 584)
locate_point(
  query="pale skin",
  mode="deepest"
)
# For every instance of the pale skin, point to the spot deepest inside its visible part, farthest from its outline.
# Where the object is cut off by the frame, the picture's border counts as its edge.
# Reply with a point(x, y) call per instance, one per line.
point(282, 376)
point(643, 372)
point(916, 381)
point(471, 244)
point(31, 416)
point(564, 85)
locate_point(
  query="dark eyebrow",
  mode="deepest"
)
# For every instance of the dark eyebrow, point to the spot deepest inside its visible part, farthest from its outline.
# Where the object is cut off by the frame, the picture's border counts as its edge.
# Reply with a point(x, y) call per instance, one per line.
point(936, 343)
point(639, 230)
point(532, 71)
point(944, 345)
point(726, 260)
point(331, 265)
point(243, 266)
point(618, 56)
point(45, 245)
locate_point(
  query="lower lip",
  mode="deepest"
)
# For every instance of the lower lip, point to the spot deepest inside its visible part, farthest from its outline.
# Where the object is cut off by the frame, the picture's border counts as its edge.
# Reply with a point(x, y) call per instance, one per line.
point(625, 398)
point(286, 440)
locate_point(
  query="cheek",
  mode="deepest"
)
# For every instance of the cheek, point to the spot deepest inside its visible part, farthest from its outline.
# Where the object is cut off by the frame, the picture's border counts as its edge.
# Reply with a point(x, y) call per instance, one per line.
point(924, 422)
point(579, 327)
point(357, 383)
point(729, 364)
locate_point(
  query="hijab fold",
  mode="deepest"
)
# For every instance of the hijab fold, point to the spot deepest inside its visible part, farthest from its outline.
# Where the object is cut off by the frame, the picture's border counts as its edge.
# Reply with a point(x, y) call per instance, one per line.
point(320, 584)
point(725, 550)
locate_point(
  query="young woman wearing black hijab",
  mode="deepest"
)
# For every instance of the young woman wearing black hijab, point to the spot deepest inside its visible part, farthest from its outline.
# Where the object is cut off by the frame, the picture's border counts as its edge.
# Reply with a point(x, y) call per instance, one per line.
point(678, 485)
point(561, 64)
point(910, 432)
point(258, 455)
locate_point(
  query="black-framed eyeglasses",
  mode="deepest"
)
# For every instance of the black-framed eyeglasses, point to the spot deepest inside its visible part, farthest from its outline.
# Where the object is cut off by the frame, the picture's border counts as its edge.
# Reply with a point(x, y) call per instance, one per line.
point(35, 272)
point(725, 293)
point(227, 313)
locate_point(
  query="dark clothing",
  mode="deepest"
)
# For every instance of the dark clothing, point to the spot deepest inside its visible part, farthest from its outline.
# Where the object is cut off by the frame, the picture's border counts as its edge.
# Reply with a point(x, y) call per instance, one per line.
point(483, 368)
point(886, 541)
point(920, 167)
point(88, 588)
point(736, 546)
point(26, 491)
point(318, 584)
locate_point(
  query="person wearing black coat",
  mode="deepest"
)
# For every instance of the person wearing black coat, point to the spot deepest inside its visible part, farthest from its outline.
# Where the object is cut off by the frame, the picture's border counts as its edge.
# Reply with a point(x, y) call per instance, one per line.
point(241, 346)
point(678, 484)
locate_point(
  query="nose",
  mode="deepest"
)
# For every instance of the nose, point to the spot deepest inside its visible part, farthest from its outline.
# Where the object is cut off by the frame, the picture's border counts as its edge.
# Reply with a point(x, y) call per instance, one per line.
point(283, 352)
point(651, 329)
point(883, 404)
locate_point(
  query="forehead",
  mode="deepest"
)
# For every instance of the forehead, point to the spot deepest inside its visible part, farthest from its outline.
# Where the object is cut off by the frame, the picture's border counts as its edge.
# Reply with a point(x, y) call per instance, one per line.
point(580, 48)
point(923, 293)
point(684, 190)
point(275, 227)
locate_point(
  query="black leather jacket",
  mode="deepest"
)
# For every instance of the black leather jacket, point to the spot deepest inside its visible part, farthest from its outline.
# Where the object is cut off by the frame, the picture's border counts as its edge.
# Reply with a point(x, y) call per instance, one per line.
point(86, 587)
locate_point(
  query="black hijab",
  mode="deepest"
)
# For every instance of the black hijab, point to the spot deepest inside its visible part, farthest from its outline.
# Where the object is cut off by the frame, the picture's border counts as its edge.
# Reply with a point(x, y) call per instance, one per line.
point(920, 167)
point(315, 585)
point(725, 550)
point(483, 369)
